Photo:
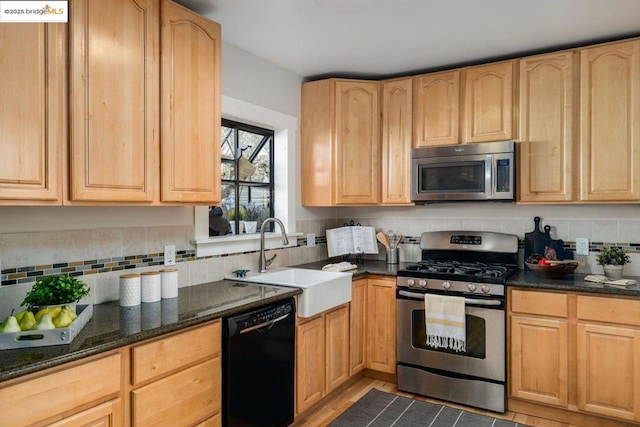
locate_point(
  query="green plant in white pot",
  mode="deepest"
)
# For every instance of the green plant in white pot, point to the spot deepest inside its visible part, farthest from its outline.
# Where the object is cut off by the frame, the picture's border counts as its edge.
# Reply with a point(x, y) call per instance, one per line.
point(55, 290)
point(252, 214)
point(612, 259)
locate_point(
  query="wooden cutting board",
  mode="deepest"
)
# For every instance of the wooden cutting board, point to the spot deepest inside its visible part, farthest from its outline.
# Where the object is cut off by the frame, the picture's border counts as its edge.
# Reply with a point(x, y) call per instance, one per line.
point(535, 241)
point(557, 245)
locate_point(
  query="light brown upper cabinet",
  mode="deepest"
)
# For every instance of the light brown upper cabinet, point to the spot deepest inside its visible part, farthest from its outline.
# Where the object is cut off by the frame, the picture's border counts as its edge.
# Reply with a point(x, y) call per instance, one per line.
point(32, 89)
point(115, 56)
point(114, 111)
point(190, 106)
point(340, 142)
point(397, 105)
point(436, 115)
point(610, 122)
point(548, 90)
point(488, 113)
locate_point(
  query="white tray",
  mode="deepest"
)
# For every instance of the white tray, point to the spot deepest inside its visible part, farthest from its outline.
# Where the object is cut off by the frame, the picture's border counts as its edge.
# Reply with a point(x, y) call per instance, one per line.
point(58, 336)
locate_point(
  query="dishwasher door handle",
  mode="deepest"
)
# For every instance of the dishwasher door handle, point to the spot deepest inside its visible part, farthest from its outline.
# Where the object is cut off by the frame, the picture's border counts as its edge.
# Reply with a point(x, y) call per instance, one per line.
point(268, 323)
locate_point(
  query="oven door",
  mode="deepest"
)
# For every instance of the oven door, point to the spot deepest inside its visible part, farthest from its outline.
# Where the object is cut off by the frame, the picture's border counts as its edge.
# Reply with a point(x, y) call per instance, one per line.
point(485, 339)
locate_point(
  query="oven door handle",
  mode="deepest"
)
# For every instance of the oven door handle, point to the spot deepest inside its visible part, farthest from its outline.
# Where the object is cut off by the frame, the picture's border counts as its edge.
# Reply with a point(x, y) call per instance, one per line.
point(473, 301)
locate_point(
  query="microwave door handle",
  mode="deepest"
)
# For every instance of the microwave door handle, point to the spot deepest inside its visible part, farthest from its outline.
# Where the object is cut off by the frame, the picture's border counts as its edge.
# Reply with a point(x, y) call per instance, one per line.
point(474, 301)
point(491, 159)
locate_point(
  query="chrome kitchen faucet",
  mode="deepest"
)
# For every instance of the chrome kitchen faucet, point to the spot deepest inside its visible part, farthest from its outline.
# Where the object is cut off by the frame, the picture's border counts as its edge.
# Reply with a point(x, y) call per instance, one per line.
point(264, 262)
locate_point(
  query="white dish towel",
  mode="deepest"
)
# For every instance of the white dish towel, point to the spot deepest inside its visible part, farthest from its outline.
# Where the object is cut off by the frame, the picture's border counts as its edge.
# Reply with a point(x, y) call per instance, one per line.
point(445, 322)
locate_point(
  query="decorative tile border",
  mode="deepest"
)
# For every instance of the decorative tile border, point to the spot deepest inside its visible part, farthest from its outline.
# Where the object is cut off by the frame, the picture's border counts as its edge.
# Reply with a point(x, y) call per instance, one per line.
point(13, 276)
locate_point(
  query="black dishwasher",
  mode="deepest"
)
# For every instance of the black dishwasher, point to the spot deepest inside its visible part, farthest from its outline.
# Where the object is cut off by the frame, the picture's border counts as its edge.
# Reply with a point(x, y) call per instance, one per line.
point(258, 359)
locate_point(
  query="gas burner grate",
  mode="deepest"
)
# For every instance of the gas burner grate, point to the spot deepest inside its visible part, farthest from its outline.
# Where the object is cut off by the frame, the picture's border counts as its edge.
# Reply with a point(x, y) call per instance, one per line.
point(457, 268)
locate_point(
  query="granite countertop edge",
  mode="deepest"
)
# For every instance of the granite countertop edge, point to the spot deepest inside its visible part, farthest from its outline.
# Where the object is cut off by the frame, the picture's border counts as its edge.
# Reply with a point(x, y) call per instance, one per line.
point(14, 362)
point(523, 279)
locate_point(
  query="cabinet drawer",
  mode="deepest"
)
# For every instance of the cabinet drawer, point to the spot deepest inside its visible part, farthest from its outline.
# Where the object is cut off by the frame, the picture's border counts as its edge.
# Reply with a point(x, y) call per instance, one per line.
point(181, 399)
point(60, 392)
point(108, 414)
point(541, 303)
point(611, 310)
point(166, 355)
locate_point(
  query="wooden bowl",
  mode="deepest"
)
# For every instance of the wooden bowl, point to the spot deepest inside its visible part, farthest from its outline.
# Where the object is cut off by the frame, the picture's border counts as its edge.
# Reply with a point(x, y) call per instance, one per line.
point(553, 271)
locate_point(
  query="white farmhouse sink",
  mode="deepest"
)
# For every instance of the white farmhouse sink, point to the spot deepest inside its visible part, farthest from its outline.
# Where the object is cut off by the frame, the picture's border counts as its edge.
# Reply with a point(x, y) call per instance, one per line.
point(321, 290)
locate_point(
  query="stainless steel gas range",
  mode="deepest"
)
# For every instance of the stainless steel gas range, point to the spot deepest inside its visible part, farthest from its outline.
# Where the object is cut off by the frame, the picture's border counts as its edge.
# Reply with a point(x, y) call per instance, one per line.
point(470, 265)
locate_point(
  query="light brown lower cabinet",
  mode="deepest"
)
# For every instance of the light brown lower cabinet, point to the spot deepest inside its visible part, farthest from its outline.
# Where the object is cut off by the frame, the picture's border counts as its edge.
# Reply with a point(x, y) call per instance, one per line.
point(322, 355)
point(574, 352)
point(88, 390)
point(108, 414)
point(182, 399)
point(174, 380)
point(381, 325)
point(358, 326)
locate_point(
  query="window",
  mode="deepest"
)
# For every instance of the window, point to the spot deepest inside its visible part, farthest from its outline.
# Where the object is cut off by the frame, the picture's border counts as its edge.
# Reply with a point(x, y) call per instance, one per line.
point(247, 180)
point(285, 184)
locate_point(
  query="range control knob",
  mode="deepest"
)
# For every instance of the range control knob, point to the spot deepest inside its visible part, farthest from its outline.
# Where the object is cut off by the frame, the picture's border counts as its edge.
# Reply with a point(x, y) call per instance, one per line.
point(471, 287)
point(446, 285)
point(422, 283)
point(410, 282)
point(485, 289)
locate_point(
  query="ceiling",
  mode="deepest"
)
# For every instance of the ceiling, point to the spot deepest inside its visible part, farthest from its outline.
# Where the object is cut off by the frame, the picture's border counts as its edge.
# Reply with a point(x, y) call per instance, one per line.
point(382, 38)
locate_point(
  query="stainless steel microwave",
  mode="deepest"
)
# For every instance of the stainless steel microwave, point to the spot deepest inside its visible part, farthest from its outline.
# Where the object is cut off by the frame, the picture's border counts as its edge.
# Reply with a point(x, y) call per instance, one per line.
point(482, 171)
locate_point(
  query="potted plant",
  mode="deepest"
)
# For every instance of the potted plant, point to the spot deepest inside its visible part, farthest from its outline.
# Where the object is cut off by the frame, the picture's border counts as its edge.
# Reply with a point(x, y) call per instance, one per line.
point(252, 214)
point(231, 215)
point(613, 259)
point(56, 290)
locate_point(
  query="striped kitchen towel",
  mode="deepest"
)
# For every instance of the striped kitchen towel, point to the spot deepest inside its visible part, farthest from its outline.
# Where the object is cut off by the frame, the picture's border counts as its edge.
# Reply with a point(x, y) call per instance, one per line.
point(445, 322)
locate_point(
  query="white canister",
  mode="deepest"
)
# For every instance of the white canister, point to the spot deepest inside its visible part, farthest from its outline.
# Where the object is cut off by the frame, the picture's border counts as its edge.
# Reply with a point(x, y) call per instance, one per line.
point(130, 293)
point(151, 286)
point(169, 278)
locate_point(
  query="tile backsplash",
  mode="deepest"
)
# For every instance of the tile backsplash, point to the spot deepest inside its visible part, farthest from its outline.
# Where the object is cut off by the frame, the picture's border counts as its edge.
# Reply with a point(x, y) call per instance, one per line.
point(100, 256)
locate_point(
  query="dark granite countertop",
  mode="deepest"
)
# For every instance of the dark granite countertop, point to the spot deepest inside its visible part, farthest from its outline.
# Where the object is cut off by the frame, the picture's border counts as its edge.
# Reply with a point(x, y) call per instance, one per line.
point(525, 279)
point(113, 326)
point(365, 267)
point(573, 283)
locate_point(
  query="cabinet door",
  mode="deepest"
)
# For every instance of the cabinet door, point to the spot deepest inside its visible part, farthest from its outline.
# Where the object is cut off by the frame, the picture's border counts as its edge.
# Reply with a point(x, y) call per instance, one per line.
point(310, 363)
point(59, 392)
point(182, 399)
point(610, 122)
point(317, 156)
point(488, 102)
point(608, 370)
point(108, 414)
point(357, 174)
point(539, 376)
point(546, 152)
point(397, 106)
point(336, 347)
point(114, 100)
point(357, 326)
point(190, 125)
point(32, 89)
point(436, 119)
point(381, 325)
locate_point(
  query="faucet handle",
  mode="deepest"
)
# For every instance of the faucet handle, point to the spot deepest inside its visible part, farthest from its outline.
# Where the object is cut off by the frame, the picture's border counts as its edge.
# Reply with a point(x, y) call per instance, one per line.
point(268, 261)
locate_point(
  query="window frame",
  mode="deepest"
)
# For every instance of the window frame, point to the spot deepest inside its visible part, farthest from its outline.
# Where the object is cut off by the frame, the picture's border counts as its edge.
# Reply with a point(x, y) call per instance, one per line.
point(287, 186)
point(268, 138)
